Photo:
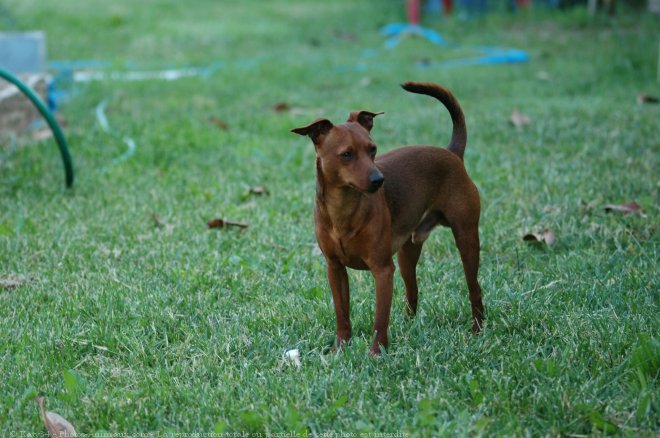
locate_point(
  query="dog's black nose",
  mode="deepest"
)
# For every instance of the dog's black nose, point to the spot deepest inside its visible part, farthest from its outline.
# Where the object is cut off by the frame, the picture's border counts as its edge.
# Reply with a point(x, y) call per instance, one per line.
point(375, 180)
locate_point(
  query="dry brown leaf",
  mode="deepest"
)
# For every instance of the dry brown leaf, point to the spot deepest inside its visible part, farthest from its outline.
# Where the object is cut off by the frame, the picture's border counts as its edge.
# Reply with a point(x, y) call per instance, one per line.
point(631, 207)
point(519, 119)
point(645, 98)
point(259, 190)
point(219, 123)
point(281, 107)
point(11, 281)
point(56, 425)
point(157, 222)
point(284, 107)
point(221, 223)
point(546, 236)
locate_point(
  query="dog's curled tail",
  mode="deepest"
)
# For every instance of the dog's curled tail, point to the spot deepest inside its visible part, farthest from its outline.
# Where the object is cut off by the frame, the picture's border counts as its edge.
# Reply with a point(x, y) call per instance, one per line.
point(459, 131)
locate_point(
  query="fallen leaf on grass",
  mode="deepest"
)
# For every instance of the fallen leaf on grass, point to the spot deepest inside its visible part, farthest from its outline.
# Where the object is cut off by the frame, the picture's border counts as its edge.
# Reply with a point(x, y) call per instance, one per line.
point(56, 425)
point(11, 281)
point(284, 107)
point(259, 190)
point(281, 107)
point(546, 236)
point(519, 119)
point(631, 207)
point(159, 224)
point(157, 221)
point(645, 98)
point(219, 123)
point(221, 223)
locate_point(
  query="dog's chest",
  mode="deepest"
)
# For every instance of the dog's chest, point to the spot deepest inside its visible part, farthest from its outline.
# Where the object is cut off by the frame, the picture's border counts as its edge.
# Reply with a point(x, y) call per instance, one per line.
point(344, 249)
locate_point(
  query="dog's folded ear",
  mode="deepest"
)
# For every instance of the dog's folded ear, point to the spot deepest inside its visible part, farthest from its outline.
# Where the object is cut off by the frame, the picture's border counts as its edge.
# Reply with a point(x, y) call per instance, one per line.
point(315, 130)
point(364, 118)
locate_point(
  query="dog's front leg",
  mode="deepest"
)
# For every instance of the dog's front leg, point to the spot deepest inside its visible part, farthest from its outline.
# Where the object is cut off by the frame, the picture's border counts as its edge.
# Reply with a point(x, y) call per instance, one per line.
point(384, 277)
point(338, 279)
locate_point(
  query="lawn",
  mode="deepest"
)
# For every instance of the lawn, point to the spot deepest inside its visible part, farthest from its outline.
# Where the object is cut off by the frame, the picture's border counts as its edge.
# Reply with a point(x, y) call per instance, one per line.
point(130, 315)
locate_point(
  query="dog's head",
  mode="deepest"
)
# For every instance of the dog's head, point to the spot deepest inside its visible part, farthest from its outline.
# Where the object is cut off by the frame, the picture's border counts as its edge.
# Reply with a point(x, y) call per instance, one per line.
point(345, 152)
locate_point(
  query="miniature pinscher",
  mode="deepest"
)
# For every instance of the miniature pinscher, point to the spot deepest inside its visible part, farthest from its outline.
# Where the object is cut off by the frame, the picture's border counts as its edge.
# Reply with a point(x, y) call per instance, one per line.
point(369, 207)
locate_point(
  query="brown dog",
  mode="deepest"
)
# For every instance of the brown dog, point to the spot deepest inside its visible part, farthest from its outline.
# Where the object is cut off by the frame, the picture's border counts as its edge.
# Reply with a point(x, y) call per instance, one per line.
point(369, 208)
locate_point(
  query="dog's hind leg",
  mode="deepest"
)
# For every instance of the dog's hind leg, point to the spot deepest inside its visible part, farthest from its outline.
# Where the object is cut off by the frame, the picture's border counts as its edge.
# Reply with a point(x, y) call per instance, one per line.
point(467, 241)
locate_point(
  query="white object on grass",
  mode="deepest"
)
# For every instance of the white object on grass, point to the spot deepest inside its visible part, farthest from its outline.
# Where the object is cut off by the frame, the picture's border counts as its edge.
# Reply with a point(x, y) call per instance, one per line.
point(294, 357)
point(166, 75)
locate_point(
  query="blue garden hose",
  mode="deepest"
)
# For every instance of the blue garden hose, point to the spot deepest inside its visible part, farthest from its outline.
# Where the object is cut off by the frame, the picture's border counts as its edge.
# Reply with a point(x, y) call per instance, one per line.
point(52, 122)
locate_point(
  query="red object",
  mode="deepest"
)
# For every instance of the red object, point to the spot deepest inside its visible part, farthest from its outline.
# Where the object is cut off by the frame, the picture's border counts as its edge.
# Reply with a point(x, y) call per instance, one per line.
point(523, 2)
point(447, 4)
point(413, 12)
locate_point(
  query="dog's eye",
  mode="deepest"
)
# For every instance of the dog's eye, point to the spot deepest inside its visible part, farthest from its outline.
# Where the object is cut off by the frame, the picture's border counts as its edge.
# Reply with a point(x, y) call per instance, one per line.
point(346, 155)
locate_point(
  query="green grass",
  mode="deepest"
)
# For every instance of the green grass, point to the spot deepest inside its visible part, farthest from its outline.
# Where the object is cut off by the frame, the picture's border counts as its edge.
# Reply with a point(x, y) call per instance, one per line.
point(127, 326)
